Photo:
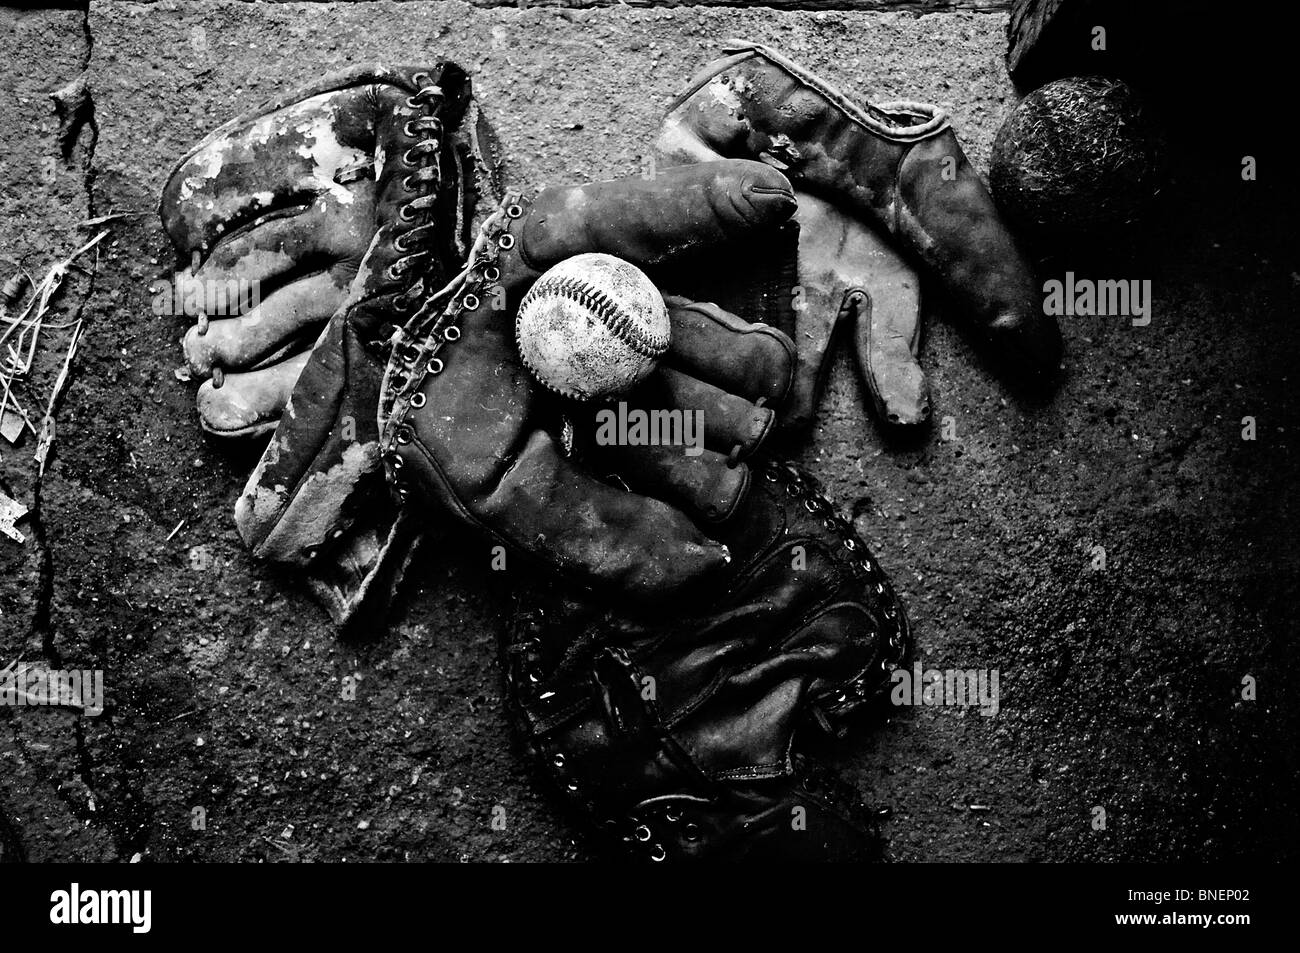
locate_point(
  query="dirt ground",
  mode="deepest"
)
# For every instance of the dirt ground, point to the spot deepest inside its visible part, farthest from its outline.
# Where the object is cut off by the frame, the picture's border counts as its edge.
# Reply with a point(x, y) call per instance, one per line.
point(1121, 688)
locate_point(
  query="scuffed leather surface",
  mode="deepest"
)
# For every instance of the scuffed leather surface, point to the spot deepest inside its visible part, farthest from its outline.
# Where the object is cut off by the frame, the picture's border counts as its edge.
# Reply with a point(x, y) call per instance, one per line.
point(918, 187)
point(632, 712)
point(483, 446)
point(303, 197)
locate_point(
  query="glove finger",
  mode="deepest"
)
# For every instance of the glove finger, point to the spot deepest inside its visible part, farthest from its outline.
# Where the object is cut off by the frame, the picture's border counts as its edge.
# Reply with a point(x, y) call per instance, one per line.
point(261, 334)
point(700, 414)
point(703, 483)
point(851, 274)
point(647, 221)
point(249, 404)
point(280, 248)
point(884, 352)
point(301, 146)
point(556, 511)
point(754, 361)
point(679, 439)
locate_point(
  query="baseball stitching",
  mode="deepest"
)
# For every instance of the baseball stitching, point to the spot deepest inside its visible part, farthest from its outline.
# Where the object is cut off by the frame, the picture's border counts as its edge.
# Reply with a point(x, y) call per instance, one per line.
point(620, 322)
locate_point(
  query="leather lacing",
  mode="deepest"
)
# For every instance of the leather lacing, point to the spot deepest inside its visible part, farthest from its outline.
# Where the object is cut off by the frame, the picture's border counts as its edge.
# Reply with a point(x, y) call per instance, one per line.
point(664, 827)
point(414, 348)
point(424, 180)
point(895, 632)
point(422, 157)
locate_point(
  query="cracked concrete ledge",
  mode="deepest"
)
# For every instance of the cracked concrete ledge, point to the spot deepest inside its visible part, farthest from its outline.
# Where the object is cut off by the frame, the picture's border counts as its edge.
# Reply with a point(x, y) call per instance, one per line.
point(49, 192)
point(223, 678)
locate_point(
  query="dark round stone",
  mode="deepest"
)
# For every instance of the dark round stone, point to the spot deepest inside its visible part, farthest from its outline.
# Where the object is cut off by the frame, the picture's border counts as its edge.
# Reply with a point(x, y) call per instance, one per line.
point(1077, 158)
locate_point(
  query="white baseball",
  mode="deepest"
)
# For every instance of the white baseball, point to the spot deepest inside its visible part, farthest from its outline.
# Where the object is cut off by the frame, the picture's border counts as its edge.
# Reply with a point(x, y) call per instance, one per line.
point(592, 326)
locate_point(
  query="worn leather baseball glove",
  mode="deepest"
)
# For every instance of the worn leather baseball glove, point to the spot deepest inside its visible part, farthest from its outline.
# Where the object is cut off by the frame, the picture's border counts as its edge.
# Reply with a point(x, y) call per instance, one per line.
point(874, 182)
point(671, 722)
point(682, 735)
point(271, 215)
point(274, 214)
point(468, 431)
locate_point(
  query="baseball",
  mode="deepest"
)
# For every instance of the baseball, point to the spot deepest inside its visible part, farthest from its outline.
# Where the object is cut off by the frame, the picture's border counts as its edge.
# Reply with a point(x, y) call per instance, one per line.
point(592, 326)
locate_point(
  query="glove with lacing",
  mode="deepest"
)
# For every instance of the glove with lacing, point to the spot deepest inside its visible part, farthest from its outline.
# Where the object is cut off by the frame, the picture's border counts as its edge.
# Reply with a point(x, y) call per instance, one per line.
point(318, 211)
point(783, 621)
point(685, 735)
point(672, 724)
point(469, 433)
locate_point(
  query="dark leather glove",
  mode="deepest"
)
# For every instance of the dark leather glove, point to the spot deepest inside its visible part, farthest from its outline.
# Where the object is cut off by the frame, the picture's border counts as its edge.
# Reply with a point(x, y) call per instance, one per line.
point(681, 735)
point(469, 433)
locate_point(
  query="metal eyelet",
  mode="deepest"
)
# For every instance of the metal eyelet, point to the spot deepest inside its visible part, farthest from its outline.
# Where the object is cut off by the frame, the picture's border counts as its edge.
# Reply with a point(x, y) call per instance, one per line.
point(506, 241)
point(411, 352)
point(572, 787)
point(406, 184)
point(642, 833)
point(403, 435)
point(851, 544)
point(406, 131)
point(393, 272)
point(514, 211)
point(405, 214)
point(657, 853)
point(452, 333)
point(691, 832)
point(470, 302)
point(418, 401)
point(400, 243)
point(672, 814)
point(417, 77)
point(436, 366)
point(558, 761)
point(491, 273)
